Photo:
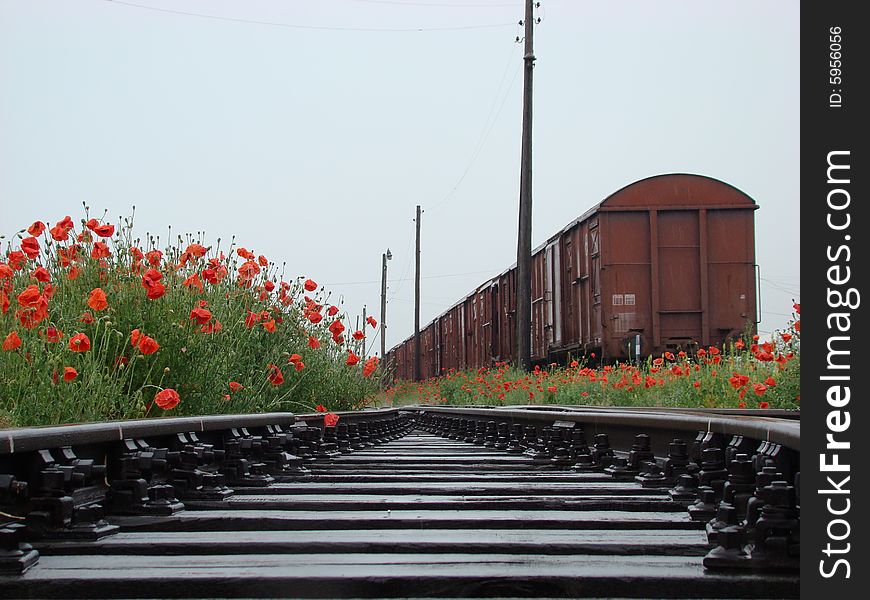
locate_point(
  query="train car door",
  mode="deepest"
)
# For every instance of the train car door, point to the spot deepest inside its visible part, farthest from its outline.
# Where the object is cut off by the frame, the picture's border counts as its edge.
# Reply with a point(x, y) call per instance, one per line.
point(596, 333)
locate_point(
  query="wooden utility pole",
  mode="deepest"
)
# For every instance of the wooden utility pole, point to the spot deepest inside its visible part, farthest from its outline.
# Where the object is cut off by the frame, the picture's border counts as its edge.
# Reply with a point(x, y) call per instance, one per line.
point(364, 331)
point(524, 239)
point(417, 352)
point(386, 256)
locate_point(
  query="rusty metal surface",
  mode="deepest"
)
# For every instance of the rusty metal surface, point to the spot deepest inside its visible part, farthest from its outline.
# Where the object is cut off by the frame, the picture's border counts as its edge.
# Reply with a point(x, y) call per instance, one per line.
point(666, 261)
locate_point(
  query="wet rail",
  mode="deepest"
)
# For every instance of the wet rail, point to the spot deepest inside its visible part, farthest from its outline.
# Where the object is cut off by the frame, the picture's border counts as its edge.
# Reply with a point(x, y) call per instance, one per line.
point(418, 502)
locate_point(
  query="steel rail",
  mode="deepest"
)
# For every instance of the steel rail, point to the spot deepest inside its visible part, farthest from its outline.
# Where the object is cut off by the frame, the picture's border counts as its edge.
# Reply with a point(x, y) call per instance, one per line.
point(780, 431)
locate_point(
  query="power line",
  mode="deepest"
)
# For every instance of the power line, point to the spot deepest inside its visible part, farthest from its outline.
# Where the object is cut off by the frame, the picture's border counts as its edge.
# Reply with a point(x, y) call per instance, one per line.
point(487, 128)
point(309, 27)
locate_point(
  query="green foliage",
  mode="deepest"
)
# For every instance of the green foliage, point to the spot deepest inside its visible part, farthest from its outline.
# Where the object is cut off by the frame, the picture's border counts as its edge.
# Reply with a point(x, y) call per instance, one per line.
point(117, 380)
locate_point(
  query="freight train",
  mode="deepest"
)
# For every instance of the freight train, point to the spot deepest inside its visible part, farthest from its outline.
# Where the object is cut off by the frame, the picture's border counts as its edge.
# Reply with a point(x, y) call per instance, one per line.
point(664, 263)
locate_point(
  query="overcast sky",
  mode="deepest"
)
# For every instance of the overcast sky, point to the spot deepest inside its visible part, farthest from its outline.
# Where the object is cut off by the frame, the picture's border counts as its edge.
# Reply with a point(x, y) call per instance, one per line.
point(310, 130)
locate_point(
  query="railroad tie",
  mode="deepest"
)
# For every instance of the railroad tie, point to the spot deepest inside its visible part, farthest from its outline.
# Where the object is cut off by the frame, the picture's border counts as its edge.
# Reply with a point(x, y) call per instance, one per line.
point(448, 510)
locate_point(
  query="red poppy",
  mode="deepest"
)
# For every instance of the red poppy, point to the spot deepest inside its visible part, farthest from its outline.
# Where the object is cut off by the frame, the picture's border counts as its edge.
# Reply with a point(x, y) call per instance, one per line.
point(336, 328)
point(59, 233)
point(194, 281)
point(30, 247)
point(214, 275)
point(154, 257)
point(332, 311)
point(200, 315)
point(97, 300)
point(352, 359)
point(763, 405)
point(313, 342)
point(235, 386)
point(738, 381)
point(69, 373)
point(797, 307)
point(314, 317)
point(275, 375)
point(246, 254)
point(30, 296)
point(100, 250)
point(79, 343)
point(786, 337)
point(195, 250)
point(269, 286)
point(36, 229)
point(252, 319)
point(249, 269)
point(103, 230)
point(770, 382)
point(371, 321)
point(320, 408)
point(212, 327)
point(759, 389)
point(264, 262)
point(40, 275)
point(697, 384)
point(358, 335)
point(294, 358)
point(309, 285)
point(551, 389)
point(739, 344)
point(797, 325)
point(370, 366)
point(741, 405)
point(11, 342)
point(151, 282)
point(148, 345)
point(167, 399)
point(299, 365)
point(86, 318)
point(73, 273)
point(53, 335)
point(16, 260)
point(330, 419)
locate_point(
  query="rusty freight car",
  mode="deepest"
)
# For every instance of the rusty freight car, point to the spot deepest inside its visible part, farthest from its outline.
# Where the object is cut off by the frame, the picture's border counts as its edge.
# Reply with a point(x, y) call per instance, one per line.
point(661, 264)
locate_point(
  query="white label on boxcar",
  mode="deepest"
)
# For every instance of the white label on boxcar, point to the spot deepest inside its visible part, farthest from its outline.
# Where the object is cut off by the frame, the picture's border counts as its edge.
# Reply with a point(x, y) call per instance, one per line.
point(617, 299)
point(629, 299)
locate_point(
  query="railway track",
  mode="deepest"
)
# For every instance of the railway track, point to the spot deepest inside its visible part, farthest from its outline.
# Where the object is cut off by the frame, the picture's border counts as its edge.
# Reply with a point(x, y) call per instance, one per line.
point(431, 502)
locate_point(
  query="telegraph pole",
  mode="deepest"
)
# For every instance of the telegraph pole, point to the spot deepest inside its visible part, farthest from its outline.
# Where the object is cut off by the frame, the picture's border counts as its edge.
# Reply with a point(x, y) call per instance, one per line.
point(364, 331)
point(524, 239)
point(417, 304)
point(386, 256)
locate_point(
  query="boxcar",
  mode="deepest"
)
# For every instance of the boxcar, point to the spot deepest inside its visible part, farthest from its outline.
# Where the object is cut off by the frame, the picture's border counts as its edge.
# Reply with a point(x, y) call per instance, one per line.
point(662, 264)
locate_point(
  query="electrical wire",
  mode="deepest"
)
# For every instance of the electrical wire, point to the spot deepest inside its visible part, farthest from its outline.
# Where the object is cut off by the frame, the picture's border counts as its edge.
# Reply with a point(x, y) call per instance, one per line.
point(487, 128)
point(309, 27)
